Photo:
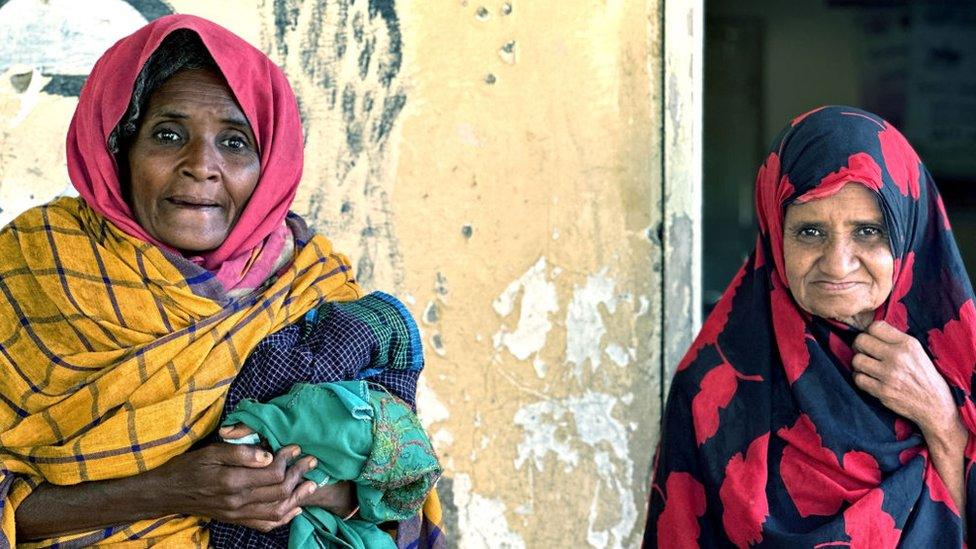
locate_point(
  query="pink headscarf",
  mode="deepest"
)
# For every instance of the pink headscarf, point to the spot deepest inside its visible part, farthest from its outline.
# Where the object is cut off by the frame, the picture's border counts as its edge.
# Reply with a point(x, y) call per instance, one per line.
point(267, 101)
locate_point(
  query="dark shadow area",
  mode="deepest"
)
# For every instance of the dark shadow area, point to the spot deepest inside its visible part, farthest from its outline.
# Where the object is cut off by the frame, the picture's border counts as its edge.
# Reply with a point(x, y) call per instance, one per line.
point(914, 63)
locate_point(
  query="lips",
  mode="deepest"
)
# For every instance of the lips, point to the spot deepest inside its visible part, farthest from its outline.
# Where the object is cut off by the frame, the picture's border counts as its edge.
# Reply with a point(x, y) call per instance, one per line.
point(837, 287)
point(189, 201)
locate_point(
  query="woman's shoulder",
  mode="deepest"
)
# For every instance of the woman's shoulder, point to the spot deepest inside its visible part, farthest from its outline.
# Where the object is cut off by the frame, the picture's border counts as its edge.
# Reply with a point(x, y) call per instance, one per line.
point(61, 208)
point(62, 213)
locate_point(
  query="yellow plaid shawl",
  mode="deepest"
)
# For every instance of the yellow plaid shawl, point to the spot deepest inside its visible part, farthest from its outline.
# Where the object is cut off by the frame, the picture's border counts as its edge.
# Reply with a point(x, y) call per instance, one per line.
point(110, 364)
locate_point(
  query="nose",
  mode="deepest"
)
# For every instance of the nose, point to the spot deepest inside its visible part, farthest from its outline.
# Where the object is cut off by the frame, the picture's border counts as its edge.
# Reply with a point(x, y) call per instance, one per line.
point(839, 258)
point(200, 161)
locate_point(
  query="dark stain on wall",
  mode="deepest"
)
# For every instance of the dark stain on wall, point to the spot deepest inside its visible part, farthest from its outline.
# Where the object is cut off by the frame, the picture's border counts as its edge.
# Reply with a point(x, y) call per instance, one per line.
point(68, 85)
point(390, 64)
point(378, 61)
point(351, 52)
point(286, 19)
point(151, 9)
point(445, 492)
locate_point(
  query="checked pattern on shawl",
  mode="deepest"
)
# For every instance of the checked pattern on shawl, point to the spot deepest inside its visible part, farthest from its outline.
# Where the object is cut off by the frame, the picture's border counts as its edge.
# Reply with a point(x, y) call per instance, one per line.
point(111, 362)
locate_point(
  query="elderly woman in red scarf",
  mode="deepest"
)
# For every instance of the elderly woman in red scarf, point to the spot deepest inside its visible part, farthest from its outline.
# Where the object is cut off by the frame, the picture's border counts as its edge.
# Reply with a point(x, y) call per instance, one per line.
point(135, 318)
point(828, 400)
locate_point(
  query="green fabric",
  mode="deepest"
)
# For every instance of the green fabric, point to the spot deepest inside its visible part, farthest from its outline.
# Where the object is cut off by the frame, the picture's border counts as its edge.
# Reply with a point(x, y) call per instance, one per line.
point(357, 434)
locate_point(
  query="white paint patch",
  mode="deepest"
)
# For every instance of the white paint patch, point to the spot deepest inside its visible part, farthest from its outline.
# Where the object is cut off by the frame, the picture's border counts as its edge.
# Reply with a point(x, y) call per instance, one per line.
point(540, 367)
point(442, 438)
point(59, 37)
point(538, 301)
point(481, 521)
point(430, 409)
point(555, 233)
point(584, 323)
point(645, 305)
point(547, 429)
point(619, 355)
point(561, 427)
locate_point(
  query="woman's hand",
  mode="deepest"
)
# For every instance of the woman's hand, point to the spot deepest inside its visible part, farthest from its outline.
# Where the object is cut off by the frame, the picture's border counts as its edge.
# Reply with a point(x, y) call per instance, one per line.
point(893, 367)
point(339, 499)
point(239, 484)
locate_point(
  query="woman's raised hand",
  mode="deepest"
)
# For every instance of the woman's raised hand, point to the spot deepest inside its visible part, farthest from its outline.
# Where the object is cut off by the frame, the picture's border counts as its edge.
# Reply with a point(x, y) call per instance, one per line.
point(239, 484)
point(892, 366)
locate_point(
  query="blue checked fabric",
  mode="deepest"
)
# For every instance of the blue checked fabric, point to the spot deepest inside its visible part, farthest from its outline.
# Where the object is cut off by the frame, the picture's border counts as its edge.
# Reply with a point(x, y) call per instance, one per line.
point(373, 338)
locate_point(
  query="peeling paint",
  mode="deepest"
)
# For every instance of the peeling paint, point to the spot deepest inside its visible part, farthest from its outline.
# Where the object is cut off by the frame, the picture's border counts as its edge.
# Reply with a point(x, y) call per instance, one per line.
point(429, 408)
point(437, 343)
point(620, 356)
point(538, 301)
point(481, 521)
point(508, 52)
point(540, 367)
point(563, 427)
point(58, 38)
point(431, 313)
point(584, 323)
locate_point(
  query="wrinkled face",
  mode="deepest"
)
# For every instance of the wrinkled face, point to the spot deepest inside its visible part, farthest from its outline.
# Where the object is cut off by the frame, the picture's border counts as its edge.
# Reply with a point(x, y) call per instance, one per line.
point(194, 163)
point(838, 260)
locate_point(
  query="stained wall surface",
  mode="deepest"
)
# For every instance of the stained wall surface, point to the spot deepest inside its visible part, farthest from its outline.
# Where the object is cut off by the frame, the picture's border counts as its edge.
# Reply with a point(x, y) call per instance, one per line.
point(497, 164)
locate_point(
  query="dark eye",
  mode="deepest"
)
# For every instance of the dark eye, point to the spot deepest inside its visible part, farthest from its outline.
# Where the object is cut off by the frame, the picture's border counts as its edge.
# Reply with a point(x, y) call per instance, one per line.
point(165, 135)
point(235, 143)
point(869, 231)
point(810, 233)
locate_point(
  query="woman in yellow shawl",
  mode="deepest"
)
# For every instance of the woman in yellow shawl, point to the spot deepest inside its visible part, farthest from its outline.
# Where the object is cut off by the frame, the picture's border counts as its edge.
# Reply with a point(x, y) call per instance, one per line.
point(128, 313)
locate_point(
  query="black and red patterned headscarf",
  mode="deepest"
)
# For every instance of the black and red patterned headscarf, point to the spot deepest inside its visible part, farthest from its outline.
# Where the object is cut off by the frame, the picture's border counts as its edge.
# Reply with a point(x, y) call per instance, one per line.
point(766, 439)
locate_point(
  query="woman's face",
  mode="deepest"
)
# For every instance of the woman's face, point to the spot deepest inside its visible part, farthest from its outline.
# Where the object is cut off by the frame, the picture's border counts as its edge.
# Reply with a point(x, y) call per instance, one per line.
point(194, 162)
point(838, 260)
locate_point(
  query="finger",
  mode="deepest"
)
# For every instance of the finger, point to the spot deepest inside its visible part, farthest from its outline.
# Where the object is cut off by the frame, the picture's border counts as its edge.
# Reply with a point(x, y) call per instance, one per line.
point(868, 384)
point(266, 517)
point(241, 455)
point(886, 332)
point(238, 430)
point(285, 489)
point(276, 472)
point(865, 364)
point(872, 346)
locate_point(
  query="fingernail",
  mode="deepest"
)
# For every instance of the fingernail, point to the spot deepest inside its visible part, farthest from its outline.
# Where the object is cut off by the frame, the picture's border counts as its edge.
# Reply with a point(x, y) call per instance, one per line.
point(310, 488)
point(312, 463)
point(265, 456)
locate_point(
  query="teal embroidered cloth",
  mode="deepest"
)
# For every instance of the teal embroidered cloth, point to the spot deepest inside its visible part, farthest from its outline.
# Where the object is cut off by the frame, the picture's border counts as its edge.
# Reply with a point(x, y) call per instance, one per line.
point(356, 433)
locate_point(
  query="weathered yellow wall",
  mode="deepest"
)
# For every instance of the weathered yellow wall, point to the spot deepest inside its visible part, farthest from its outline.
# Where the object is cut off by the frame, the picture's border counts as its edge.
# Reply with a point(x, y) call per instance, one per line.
point(499, 166)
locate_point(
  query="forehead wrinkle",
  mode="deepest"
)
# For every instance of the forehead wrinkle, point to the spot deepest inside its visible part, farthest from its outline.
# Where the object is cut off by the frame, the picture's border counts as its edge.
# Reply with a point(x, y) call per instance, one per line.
point(229, 113)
